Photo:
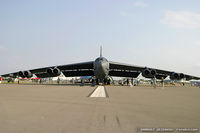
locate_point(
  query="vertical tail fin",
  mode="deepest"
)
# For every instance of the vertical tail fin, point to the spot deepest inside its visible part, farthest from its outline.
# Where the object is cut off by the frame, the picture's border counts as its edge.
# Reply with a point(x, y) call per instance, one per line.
point(101, 51)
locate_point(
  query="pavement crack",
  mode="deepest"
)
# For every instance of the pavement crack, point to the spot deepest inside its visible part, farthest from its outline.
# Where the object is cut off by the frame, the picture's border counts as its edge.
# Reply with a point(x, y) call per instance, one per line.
point(118, 121)
point(104, 120)
point(107, 96)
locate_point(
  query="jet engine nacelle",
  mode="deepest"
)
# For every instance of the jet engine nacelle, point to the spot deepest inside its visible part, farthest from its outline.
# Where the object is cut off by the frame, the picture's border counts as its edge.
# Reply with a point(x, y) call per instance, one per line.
point(11, 75)
point(21, 74)
point(28, 74)
point(149, 73)
point(181, 75)
point(50, 71)
point(53, 72)
point(177, 76)
point(188, 78)
point(24, 74)
point(56, 71)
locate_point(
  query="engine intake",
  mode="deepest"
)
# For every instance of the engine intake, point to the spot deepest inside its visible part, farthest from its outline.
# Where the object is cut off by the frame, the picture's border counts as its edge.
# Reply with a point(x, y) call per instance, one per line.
point(149, 73)
point(177, 76)
point(21, 74)
point(53, 72)
point(153, 72)
point(56, 71)
point(28, 74)
point(50, 71)
point(181, 75)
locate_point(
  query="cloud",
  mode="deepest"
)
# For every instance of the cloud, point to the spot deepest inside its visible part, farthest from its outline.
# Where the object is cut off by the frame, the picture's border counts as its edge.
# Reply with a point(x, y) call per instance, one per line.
point(123, 14)
point(140, 4)
point(197, 43)
point(2, 48)
point(181, 19)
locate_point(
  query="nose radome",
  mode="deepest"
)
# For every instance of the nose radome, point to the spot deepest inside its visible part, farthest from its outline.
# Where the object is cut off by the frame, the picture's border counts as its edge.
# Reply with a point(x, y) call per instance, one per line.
point(99, 65)
point(102, 64)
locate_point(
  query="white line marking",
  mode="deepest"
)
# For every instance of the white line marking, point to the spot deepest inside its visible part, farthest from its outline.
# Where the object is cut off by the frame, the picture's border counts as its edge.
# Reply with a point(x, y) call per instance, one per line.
point(99, 92)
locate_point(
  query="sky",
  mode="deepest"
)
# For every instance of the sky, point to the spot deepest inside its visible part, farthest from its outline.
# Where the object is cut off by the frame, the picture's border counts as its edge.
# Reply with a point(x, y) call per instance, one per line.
point(163, 34)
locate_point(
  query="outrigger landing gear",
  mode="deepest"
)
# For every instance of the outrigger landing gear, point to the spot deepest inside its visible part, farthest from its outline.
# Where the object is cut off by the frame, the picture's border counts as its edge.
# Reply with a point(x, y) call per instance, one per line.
point(108, 82)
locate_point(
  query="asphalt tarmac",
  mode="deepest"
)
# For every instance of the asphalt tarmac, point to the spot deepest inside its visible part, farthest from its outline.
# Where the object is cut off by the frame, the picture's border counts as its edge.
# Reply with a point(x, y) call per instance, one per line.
point(69, 109)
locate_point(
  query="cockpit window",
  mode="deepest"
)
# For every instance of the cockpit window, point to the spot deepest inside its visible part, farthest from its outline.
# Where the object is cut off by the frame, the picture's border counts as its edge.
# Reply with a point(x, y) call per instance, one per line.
point(101, 59)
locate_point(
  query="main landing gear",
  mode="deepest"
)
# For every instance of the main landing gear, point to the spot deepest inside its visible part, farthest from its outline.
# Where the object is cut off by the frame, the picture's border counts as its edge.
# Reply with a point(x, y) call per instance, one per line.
point(105, 81)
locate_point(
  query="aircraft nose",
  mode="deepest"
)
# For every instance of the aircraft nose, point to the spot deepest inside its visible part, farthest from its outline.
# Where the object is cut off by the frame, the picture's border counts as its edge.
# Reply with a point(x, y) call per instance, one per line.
point(101, 65)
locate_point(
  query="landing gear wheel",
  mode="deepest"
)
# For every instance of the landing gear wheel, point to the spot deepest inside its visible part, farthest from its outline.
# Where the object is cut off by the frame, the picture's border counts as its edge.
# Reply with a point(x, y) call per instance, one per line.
point(105, 81)
point(108, 82)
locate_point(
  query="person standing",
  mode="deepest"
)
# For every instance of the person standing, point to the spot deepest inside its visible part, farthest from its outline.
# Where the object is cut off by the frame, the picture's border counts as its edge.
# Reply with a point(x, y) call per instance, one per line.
point(132, 81)
point(162, 82)
point(138, 81)
point(127, 81)
point(154, 82)
point(58, 80)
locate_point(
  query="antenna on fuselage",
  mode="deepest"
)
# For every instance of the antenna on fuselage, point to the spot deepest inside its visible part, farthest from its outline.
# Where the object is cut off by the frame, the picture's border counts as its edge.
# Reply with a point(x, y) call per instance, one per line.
point(101, 51)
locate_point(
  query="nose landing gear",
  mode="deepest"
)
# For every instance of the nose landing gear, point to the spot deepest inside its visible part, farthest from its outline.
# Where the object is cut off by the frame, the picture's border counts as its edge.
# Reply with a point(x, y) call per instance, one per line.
point(106, 81)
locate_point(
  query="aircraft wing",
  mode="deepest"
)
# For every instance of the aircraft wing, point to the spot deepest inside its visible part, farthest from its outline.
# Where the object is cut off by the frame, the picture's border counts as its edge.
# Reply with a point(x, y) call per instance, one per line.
point(70, 70)
point(126, 70)
point(189, 77)
point(10, 75)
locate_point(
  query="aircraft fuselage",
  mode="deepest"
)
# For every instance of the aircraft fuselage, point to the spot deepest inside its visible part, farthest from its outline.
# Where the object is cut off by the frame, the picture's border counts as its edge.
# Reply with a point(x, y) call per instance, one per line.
point(101, 68)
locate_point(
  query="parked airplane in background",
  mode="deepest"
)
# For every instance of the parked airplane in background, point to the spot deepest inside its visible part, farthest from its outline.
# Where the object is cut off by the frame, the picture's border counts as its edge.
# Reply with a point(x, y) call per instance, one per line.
point(101, 69)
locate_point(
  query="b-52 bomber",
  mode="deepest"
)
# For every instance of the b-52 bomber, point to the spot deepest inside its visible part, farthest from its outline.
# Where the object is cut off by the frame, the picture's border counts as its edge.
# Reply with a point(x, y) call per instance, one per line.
point(101, 70)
